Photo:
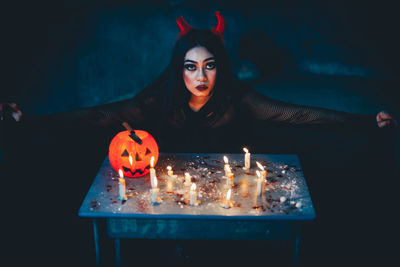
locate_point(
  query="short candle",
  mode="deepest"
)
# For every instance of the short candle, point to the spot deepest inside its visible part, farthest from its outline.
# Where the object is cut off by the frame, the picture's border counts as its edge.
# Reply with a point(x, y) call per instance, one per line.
point(193, 195)
point(263, 172)
point(170, 172)
point(154, 193)
point(121, 186)
point(227, 203)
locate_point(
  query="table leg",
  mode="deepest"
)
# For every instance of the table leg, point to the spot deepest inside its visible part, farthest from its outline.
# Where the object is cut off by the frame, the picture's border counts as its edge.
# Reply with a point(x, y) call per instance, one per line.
point(117, 252)
point(96, 242)
point(297, 246)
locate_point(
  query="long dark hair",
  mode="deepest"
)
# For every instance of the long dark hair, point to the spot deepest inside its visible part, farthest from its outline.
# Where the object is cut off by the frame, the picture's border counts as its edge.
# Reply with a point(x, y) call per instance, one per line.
point(170, 85)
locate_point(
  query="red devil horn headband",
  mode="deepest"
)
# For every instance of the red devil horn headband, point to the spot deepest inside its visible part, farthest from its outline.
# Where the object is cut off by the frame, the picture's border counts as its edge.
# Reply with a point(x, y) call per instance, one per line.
point(185, 27)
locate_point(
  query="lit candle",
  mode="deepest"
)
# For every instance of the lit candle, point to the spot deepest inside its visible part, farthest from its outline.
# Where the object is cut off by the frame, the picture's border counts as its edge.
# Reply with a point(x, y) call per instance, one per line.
point(188, 179)
point(227, 168)
point(259, 183)
point(170, 172)
point(263, 172)
point(229, 177)
point(154, 193)
point(152, 172)
point(227, 203)
point(121, 186)
point(131, 161)
point(193, 195)
point(246, 159)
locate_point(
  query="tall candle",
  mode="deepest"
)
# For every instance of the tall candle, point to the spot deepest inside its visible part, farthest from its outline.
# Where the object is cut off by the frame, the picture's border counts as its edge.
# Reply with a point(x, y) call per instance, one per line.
point(259, 183)
point(229, 178)
point(152, 172)
point(246, 159)
point(227, 168)
point(263, 172)
point(193, 195)
point(121, 186)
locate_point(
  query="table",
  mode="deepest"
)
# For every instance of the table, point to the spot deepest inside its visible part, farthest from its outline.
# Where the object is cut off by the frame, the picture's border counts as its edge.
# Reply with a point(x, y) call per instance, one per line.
point(276, 215)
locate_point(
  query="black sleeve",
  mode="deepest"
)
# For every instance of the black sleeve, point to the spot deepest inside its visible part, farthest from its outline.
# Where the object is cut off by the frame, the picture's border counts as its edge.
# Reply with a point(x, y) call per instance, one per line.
point(264, 108)
point(133, 111)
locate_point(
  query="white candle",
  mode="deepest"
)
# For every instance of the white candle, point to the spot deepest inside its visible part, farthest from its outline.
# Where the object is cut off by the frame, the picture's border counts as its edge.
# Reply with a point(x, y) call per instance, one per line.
point(152, 172)
point(229, 178)
point(227, 168)
point(263, 172)
point(154, 192)
point(193, 195)
point(188, 179)
point(227, 203)
point(246, 159)
point(259, 184)
point(121, 186)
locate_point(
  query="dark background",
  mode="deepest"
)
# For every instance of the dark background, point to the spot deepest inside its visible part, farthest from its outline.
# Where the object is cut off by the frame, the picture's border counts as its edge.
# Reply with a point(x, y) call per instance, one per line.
point(58, 56)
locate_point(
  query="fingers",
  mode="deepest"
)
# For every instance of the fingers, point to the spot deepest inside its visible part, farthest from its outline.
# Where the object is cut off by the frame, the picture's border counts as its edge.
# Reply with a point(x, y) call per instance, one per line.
point(383, 123)
point(12, 110)
point(383, 115)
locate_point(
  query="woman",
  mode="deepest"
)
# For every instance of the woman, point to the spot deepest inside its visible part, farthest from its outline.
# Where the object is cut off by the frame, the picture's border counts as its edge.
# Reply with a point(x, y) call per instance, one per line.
point(196, 103)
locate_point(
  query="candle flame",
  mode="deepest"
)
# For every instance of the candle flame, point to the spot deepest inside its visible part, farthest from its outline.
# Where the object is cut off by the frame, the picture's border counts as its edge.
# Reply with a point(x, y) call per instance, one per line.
point(193, 187)
point(131, 160)
point(258, 173)
point(228, 195)
point(121, 174)
point(245, 150)
point(226, 159)
point(169, 168)
point(152, 162)
point(155, 182)
point(260, 166)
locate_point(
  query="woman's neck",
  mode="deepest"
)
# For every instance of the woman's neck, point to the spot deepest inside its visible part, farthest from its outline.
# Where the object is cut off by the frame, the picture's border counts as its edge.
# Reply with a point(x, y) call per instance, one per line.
point(197, 102)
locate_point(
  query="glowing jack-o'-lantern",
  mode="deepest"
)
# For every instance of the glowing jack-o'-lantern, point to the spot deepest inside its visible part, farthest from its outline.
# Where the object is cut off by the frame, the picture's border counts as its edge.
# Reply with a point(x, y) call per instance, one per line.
point(131, 152)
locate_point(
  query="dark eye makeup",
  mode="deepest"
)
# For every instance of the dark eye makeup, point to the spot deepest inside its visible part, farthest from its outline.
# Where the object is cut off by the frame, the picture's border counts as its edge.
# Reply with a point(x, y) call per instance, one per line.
point(209, 66)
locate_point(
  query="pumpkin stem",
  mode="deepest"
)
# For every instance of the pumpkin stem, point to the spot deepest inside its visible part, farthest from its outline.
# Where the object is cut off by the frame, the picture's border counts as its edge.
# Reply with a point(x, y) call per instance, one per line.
point(133, 134)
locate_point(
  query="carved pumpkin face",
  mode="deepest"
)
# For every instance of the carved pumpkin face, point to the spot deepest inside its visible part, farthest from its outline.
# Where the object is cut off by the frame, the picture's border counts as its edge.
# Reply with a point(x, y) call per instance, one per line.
point(122, 145)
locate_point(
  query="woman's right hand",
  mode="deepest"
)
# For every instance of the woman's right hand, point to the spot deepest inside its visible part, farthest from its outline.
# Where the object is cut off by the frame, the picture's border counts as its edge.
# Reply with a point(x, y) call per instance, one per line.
point(8, 110)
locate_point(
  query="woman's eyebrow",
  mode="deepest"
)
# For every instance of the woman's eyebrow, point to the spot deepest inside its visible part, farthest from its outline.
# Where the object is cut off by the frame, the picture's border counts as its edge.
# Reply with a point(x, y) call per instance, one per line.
point(207, 59)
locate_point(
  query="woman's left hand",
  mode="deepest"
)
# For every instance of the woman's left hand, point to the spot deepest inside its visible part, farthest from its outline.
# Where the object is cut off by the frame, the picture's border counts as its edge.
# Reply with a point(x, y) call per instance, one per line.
point(384, 119)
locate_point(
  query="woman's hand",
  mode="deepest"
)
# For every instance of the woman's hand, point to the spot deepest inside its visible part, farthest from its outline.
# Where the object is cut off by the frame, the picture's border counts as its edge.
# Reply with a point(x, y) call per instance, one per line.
point(10, 110)
point(384, 119)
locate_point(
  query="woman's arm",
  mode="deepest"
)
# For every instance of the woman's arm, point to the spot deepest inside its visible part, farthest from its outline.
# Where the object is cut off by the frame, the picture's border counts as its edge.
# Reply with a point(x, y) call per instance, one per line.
point(262, 107)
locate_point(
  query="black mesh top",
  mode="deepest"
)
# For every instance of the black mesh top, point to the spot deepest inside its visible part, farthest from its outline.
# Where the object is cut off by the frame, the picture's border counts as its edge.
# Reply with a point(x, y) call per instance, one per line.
point(222, 124)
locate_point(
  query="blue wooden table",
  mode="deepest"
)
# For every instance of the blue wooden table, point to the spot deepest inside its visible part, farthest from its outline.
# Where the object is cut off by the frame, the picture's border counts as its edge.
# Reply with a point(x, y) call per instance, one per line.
point(277, 214)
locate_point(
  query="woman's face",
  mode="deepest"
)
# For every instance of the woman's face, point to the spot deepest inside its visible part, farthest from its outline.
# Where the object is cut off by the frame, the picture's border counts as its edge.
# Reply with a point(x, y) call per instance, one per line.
point(199, 71)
